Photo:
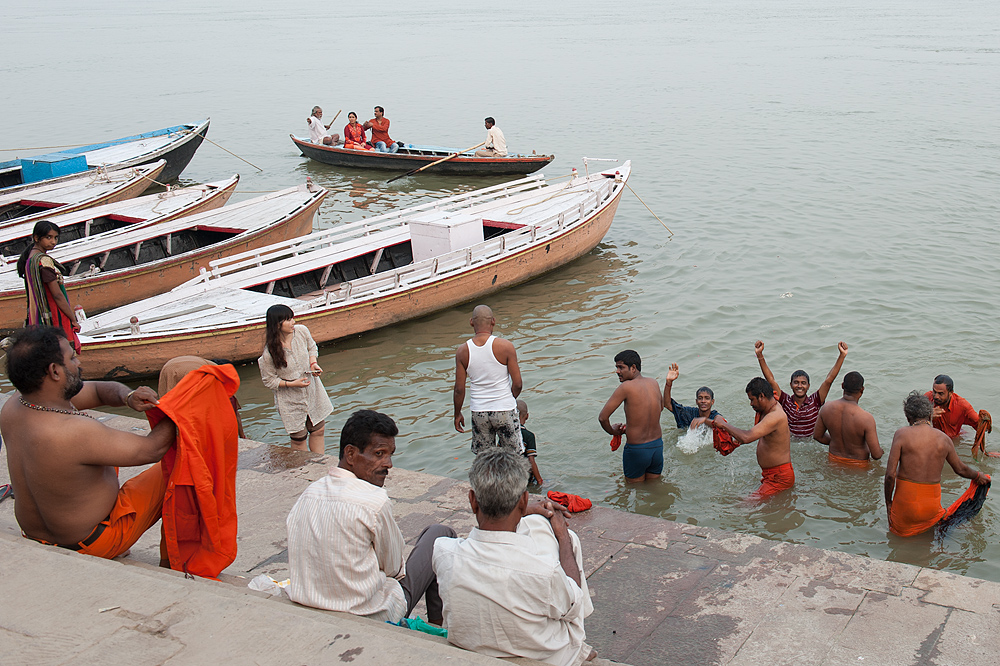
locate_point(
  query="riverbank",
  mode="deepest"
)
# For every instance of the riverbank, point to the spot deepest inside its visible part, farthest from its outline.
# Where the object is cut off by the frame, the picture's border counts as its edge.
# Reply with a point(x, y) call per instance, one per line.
point(664, 593)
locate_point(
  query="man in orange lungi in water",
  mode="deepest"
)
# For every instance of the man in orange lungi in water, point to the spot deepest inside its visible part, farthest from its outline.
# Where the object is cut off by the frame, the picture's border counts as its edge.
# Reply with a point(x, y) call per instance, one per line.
point(847, 429)
point(913, 472)
point(771, 427)
point(63, 463)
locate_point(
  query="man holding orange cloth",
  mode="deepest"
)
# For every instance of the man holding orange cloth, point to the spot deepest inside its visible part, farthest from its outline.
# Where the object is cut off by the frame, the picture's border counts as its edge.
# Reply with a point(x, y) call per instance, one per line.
point(913, 473)
point(847, 429)
point(774, 453)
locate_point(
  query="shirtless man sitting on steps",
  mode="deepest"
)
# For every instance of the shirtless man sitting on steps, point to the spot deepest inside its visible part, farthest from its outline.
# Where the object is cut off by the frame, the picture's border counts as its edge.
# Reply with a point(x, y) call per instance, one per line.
point(642, 458)
point(846, 428)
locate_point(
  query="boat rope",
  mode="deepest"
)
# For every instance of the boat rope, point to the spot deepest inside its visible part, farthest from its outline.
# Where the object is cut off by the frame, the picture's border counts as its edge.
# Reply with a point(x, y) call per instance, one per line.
point(648, 208)
point(561, 193)
point(68, 145)
point(229, 151)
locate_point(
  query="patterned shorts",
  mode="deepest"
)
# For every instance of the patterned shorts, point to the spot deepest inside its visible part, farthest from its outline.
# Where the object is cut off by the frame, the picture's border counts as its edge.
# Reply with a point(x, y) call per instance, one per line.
point(496, 429)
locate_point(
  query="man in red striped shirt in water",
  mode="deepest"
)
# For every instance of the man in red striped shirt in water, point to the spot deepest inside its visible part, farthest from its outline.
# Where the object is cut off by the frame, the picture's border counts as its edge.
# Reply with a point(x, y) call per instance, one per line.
point(801, 408)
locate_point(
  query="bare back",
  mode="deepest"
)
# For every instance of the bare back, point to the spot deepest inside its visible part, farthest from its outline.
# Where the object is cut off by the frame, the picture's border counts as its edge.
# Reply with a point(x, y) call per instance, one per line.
point(643, 405)
point(921, 451)
point(852, 430)
point(775, 445)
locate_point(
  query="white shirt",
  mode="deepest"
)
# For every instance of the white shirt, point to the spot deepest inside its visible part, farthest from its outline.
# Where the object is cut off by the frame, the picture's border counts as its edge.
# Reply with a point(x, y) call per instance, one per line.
point(505, 594)
point(496, 141)
point(317, 131)
point(345, 550)
point(489, 380)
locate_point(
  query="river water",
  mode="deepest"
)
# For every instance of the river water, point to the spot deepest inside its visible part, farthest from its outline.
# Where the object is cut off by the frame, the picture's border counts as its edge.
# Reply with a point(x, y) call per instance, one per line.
point(829, 171)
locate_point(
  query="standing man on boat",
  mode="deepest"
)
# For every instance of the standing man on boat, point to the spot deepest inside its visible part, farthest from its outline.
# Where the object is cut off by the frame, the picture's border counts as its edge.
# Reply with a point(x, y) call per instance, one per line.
point(642, 457)
point(800, 407)
point(63, 463)
point(952, 411)
point(379, 125)
point(318, 131)
point(491, 366)
point(496, 144)
point(847, 429)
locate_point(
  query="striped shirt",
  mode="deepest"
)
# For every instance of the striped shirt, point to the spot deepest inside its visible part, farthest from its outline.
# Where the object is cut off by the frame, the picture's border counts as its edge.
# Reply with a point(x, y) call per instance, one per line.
point(801, 419)
point(345, 550)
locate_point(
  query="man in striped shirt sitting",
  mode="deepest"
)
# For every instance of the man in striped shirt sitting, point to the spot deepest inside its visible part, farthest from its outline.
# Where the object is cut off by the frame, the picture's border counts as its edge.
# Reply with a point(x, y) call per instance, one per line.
point(800, 407)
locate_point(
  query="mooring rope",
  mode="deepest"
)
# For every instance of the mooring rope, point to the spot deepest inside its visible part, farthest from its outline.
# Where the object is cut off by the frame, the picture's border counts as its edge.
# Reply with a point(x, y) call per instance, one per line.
point(648, 208)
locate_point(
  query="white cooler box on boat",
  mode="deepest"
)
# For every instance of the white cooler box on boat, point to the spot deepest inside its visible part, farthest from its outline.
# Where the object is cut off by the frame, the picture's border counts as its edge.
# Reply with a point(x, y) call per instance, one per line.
point(436, 232)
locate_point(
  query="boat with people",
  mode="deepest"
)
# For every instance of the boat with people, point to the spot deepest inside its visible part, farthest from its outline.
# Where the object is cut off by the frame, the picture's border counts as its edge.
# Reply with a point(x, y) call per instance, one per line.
point(29, 203)
point(175, 202)
point(176, 145)
point(365, 275)
point(412, 156)
point(119, 266)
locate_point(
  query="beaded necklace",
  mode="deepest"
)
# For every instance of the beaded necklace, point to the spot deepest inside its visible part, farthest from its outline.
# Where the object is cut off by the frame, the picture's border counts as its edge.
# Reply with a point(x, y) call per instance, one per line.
point(75, 412)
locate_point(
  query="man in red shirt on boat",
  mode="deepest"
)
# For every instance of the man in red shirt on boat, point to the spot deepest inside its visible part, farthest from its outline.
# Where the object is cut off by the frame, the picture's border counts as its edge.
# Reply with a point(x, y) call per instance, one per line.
point(318, 131)
point(496, 144)
point(800, 407)
point(847, 429)
point(379, 125)
point(952, 411)
point(913, 473)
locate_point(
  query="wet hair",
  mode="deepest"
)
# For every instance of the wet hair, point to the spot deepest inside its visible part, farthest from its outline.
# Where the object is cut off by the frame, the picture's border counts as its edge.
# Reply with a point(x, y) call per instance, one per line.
point(629, 357)
point(276, 314)
point(380, 109)
point(946, 380)
point(499, 478)
point(705, 389)
point(35, 348)
point(759, 386)
point(42, 228)
point(360, 427)
point(315, 109)
point(853, 383)
point(490, 120)
point(917, 407)
point(800, 373)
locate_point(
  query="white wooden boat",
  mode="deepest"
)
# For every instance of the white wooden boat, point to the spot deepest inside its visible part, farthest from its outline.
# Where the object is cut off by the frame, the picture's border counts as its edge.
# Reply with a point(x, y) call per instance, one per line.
point(32, 203)
point(116, 267)
point(362, 276)
point(176, 202)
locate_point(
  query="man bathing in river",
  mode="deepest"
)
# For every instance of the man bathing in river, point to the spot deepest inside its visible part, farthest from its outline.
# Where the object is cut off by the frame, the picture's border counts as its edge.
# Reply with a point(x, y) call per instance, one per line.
point(642, 458)
point(847, 429)
point(688, 417)
point(771, 427)
point(913, 471)
point(800, 407)
point(62, 462)
point(952, 411)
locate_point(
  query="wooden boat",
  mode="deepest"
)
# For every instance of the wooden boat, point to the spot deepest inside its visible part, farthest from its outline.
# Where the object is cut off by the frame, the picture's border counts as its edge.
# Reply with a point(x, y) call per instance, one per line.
point(413, 156)
point(120, 266)
point(176, 145)
point(362, 276)
point(32, 203)
point(177, 202)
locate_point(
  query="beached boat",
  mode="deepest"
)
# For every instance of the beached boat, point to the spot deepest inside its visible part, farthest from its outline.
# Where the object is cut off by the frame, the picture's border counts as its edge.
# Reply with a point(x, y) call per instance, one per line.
point(365, 275)
point(176, 145)
point(413, 156)
point(177, 202)
point(121, 266)
point(32, 203)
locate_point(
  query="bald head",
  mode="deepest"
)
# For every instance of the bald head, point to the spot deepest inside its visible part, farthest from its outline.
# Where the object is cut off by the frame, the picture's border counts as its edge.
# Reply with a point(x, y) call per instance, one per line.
point(482, 319)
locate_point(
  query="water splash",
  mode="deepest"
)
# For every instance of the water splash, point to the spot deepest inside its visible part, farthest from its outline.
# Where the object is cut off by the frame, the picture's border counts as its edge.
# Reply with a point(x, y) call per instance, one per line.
point(695, 439)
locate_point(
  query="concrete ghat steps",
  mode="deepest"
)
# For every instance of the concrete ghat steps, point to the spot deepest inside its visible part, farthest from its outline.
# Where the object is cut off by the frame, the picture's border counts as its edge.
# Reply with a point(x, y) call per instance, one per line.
point(664, 593)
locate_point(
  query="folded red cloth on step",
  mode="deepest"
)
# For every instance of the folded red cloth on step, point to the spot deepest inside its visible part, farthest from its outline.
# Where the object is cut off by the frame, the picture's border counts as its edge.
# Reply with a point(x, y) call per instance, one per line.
point(574, 503)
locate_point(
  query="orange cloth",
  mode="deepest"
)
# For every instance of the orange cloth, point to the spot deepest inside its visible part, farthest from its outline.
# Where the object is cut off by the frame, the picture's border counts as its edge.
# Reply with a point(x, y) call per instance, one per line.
point(199, 506)
point(174, 370)
point(723, 441)
point(985, 426)
point(616, 441)
point(380, 131)
point(574, 503)
point(958, 413)
point(140, 500)
point(775, 479)
point(916, 507)
point(850, 462)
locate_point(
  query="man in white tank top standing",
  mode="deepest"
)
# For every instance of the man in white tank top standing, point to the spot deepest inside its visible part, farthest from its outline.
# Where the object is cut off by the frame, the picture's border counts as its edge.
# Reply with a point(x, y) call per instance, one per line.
point(491, 366)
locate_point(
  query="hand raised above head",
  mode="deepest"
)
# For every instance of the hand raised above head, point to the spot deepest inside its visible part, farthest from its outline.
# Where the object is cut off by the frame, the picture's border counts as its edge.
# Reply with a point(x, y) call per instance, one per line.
point(758, 347)
point(842, 348)
point(673, 372)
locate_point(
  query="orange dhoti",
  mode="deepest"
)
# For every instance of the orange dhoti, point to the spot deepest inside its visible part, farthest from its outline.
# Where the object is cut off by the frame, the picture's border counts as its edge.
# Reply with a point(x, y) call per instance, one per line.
point(916, 507)
point(775, 479)
point(850, 462)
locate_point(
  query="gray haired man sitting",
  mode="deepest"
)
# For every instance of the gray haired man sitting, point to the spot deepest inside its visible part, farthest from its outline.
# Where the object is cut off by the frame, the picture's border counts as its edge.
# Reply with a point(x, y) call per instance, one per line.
point(514, 587)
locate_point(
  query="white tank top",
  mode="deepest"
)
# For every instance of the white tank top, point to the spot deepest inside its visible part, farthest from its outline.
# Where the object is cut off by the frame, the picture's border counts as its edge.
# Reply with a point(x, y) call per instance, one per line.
point(490, 382)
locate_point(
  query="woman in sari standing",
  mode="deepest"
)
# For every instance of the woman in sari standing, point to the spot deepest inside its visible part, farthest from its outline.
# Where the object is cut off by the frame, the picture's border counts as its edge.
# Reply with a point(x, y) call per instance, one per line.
point(48, 304)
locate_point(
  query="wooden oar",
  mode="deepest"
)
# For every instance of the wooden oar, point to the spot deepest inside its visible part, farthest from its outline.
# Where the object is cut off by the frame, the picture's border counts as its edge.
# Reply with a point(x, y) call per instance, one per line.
point(334, 119)
point(443, 159)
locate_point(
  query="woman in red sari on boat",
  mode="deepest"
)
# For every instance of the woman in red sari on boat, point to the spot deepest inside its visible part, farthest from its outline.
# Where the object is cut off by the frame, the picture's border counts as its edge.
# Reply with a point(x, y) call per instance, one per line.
point(354, 134)
point(48, 304)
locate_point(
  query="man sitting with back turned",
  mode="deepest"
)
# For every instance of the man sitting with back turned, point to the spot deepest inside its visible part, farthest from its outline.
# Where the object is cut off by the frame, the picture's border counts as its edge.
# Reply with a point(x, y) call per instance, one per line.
point(847, 429)
point(63, 463)
point(345, 550)
point(515, 586)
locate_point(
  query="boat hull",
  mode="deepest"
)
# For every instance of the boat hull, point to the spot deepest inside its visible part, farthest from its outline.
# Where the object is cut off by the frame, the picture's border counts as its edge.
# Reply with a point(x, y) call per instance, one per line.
point(109, 290)
point(459, 166)
point(145, 356)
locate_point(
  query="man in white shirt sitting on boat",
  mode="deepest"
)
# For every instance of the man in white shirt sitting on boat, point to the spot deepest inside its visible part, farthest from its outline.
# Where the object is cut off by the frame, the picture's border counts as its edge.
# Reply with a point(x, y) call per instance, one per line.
point(515, 587)
point(345, 550)
point(496, 144)
point(491, 366)
point(318, 131)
